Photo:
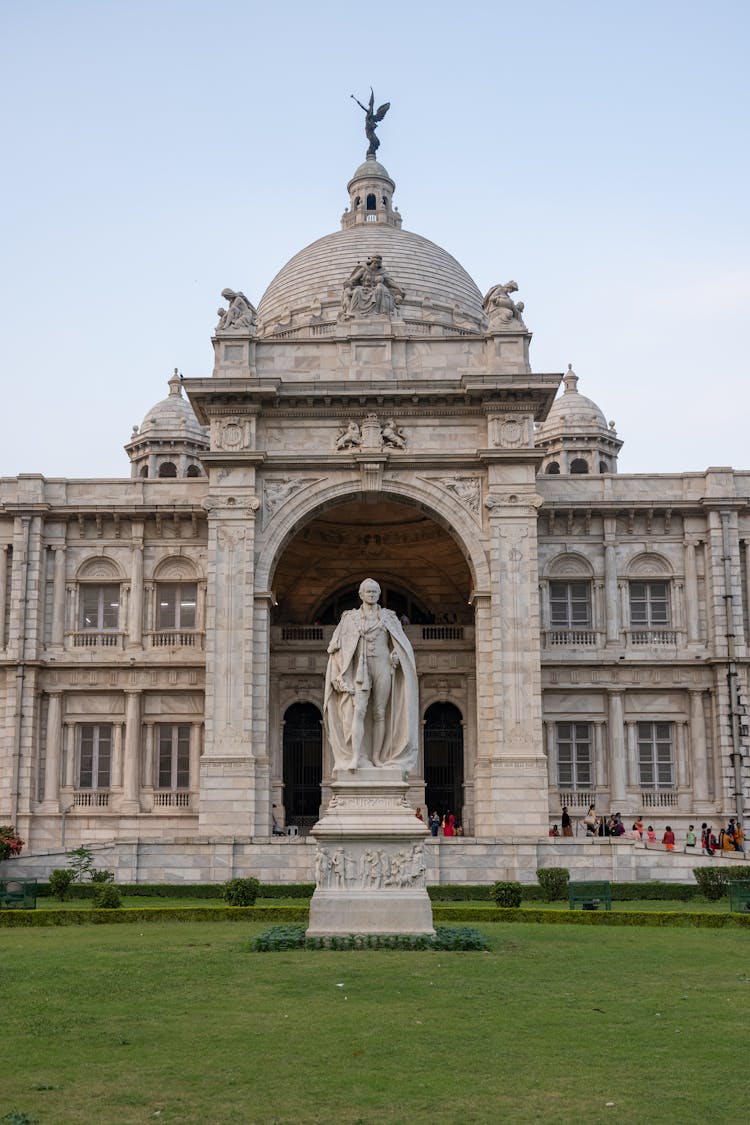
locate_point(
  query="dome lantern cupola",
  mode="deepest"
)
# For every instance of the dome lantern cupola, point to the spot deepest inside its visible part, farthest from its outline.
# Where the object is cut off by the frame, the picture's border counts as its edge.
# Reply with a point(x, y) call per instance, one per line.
point(370, 196)
point(170, 441)
point(575, 436)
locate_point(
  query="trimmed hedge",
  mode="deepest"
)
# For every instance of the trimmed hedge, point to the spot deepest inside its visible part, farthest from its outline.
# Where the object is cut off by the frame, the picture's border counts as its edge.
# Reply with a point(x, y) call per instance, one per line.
point(153, 914)
point(184, 890)
point(456, 938)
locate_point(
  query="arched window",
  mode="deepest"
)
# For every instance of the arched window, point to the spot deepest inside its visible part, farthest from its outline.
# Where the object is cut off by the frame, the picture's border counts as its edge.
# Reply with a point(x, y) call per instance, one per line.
point(553, 469)
point(302, 765)
point(193, 471)
point(144, 471)
point(167, 469)
point(371, 202)
point(444, 759)
point(400, 601)
point(579, 465)
point(603, 467)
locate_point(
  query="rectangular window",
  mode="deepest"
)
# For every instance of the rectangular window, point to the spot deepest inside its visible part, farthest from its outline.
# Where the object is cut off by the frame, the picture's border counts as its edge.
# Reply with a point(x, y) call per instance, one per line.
point(656, 755)
point(94, 755)
point(174, 756)
point(649, 604)
point(100, 607)
point(574, 757)
point(177, 603)
point(570, 605)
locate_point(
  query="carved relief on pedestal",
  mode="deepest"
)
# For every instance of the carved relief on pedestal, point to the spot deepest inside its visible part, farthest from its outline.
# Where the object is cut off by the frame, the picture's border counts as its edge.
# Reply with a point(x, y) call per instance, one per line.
point(371, 434)
point(370, 867)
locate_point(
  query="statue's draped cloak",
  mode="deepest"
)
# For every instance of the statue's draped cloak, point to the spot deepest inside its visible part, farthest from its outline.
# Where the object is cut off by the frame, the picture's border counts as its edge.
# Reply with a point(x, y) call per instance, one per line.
point(401, 742)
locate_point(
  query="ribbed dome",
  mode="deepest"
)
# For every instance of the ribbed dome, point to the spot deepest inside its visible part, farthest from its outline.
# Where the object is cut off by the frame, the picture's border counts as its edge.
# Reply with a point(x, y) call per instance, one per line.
point(312, 281)
point(173, 416)
point(572, 413)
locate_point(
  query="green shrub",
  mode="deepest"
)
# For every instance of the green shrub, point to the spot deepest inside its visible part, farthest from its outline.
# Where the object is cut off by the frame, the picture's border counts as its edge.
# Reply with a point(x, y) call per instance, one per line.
point(240, 892)
point(59, 882)
point(554, 882)
point(107, 897)
point(736, 871)
point(457, 938)
point(102, 877)
point(81, 862)
point(712, 882)
point(506, 894)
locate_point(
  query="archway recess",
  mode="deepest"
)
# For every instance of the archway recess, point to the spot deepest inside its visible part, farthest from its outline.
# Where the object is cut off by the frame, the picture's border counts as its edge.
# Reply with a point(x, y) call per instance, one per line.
point(415, 560)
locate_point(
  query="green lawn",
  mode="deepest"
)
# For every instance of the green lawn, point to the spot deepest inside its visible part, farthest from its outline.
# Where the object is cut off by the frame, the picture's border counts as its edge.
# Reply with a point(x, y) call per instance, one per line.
point(182, 1024)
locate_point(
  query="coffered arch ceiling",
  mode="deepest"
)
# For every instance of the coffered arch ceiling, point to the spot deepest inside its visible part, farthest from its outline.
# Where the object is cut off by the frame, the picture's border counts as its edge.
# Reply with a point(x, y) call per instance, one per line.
point(395, 543)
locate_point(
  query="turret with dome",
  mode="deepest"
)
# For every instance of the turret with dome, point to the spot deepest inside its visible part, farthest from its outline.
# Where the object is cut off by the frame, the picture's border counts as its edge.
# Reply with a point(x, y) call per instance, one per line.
point(575, 436)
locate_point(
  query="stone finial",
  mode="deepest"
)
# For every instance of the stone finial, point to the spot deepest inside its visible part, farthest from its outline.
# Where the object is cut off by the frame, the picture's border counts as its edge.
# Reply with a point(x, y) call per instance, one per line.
point(175, 385)
point(570, 379)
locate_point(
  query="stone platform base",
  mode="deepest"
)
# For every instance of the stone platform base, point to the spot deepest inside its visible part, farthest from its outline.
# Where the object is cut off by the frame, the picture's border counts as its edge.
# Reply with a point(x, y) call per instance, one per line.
point(370, 862)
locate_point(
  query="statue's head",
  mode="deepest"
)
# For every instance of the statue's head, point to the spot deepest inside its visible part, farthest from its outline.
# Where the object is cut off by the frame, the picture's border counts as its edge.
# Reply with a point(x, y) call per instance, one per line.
point(369, 591)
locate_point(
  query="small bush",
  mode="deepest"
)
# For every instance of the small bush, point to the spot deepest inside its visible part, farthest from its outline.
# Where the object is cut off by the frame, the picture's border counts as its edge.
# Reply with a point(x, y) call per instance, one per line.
point(102, 877)
point(457, 938)
point(736, 871)
point(107, 897)
point(81, 863)
point(59, 882)
point(506, 894)
point(554, 882)
point(712, 882)
point(240, 892)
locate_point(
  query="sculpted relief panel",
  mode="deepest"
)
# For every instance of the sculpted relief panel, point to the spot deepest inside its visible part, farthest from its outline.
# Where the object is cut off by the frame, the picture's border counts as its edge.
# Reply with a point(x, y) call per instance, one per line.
point(370, 867)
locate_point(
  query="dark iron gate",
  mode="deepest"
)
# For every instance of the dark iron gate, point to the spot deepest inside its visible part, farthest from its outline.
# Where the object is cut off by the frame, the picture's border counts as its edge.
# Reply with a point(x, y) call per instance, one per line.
point(303, 765)
point(444, 759)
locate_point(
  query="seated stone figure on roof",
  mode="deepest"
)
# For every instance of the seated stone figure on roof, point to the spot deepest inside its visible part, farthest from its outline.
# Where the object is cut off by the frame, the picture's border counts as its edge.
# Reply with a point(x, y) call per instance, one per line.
point(500, 307)
point(240, 316)
point(369, 291)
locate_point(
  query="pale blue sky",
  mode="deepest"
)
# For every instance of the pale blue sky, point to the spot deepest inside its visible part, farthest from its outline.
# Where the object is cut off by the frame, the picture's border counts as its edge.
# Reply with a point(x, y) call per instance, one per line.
point(157, 152)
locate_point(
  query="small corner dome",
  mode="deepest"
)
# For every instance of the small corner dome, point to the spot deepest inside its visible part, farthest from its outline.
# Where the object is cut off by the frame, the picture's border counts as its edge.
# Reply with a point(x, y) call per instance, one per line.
point(572, 412)
point(173, 416)
point(368, 170)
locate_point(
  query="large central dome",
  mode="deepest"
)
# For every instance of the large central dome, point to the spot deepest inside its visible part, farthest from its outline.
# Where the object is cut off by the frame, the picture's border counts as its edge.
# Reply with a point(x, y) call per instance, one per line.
point(308, 290)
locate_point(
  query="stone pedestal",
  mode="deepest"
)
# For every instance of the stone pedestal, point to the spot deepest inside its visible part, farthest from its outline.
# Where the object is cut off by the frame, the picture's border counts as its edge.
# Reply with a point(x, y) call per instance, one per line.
point(369, 860)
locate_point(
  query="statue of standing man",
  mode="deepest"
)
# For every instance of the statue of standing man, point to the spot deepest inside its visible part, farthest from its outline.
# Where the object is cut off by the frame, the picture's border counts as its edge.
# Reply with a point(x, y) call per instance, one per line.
point(371, 701)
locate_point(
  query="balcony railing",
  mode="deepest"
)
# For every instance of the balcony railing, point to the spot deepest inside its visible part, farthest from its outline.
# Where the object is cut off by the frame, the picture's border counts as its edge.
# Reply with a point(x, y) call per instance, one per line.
point(96, 638)
point(442, 632)
point(570, 638)
point(658, 799)
point(302, 632)
point(169, 799)
point(577, 798)
point(177, 638)
point(91, 799)
point(652, 637)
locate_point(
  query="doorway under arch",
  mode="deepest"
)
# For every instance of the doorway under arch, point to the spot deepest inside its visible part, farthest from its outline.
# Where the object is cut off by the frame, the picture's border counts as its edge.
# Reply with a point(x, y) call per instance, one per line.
point(302, 764)
point(444, 759)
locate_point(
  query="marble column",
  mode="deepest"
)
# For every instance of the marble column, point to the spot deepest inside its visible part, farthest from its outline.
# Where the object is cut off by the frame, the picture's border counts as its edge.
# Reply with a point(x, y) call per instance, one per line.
point(610, 592)
point(691, 593)
point(617, 749)
point(115, 773)
point(195, 756)
point(54, 753)
point(131, 778)
point(58, 598)
point(135, 608)
point(70, 756)
point(699, 749)
point(601, 773)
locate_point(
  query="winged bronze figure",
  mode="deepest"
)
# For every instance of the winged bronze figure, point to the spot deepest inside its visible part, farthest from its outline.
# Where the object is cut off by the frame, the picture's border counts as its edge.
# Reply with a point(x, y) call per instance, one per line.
point(373, 117)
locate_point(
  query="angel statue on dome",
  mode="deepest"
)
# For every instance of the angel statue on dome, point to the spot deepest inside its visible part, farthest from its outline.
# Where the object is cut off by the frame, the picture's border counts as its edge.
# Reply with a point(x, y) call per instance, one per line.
point(373, 117)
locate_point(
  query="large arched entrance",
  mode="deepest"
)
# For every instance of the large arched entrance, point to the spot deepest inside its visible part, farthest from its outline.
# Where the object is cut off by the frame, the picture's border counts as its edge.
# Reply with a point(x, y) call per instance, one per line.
point(302, 765)
point(444, 759)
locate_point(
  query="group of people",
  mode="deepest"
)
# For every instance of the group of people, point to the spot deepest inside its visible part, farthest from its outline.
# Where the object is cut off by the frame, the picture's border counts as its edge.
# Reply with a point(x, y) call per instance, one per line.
point(729, 839)
point(445, 823)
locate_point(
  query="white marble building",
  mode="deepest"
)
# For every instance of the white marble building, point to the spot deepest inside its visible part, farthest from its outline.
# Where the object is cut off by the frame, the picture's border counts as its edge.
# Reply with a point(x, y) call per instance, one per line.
point(580, 635)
